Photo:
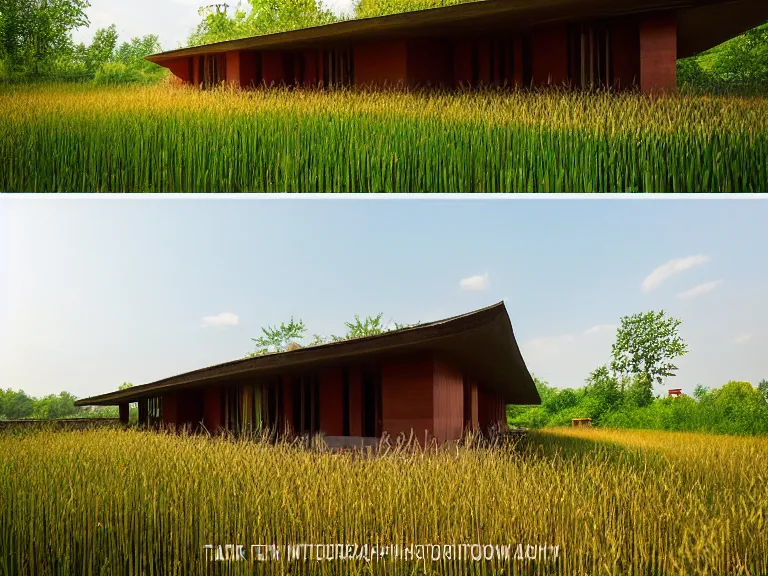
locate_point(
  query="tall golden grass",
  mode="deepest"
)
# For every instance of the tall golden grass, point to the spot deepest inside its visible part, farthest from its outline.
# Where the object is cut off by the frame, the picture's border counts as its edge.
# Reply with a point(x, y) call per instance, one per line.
point(160, 138)
point(132, 502)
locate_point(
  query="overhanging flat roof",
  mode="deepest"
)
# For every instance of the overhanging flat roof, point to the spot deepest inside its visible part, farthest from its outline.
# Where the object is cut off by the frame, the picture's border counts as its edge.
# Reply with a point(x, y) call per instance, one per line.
point(481, 343)
point(702, 24)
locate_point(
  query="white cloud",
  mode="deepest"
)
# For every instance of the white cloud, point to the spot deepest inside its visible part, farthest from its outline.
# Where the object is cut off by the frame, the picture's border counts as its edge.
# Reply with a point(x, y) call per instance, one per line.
point(600, 328)
point(475, 283)
point(671, 268)
point(700, 289)
point(742, 338)
point(222, 319)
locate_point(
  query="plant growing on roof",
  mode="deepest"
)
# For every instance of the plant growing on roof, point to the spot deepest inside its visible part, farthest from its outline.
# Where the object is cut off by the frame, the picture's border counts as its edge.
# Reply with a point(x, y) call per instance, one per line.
point(277, 338)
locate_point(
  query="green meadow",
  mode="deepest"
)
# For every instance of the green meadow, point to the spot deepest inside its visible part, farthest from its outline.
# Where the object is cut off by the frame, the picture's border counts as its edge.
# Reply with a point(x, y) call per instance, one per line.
point(613, 502)
point(158, 138)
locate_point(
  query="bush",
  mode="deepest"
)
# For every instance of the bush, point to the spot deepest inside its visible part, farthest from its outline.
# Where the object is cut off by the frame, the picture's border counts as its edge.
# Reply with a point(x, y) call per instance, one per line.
point(114, 73)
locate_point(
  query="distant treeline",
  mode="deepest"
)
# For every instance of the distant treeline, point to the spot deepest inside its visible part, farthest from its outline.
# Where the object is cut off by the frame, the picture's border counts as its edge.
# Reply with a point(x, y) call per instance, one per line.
point(734, 408)
point(17, 405)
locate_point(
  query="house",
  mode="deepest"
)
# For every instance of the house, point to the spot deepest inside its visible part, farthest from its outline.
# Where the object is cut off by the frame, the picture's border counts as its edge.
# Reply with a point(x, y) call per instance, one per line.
point(675, 392)
point(432, 380)
point(580, 43)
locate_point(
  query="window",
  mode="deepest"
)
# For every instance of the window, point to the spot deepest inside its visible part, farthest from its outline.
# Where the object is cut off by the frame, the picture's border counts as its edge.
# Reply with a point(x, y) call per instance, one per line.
point(338, 68)
point(589, 55)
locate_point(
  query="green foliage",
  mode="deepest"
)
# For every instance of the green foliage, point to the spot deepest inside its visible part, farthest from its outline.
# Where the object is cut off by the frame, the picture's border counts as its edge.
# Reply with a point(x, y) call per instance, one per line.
point(363, 142)
point(645, 346)
point(16, 405)
point(763, 389)
point(369, 327)
point(371, 8)
point(259, 17)
point(739, 65)
point(34, 32)
point(735, 408)
point(277, 338)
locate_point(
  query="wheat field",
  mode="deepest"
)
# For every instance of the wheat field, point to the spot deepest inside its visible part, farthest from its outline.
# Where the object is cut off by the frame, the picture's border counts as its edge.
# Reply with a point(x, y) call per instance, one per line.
point(81, 138)
point(132, 502)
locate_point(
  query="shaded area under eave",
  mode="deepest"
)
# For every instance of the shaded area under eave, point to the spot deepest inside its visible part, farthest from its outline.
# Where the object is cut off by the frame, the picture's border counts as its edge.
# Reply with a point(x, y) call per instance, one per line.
point(702, 24)
point(481, 343)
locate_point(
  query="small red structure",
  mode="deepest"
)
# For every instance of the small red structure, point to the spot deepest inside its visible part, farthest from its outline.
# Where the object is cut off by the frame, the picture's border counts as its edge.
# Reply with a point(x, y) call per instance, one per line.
point(432, 381)
point(675, 392)
point(579, 43)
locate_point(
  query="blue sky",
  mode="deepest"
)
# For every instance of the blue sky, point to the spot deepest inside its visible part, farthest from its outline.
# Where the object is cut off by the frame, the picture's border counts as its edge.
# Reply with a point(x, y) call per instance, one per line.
point(97, 291)
point(172, 20)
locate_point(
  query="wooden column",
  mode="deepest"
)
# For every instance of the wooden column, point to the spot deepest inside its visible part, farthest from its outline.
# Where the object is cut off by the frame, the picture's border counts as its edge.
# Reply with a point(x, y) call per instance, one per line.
point(123, 411)
point(658, 53)
point(143, 411)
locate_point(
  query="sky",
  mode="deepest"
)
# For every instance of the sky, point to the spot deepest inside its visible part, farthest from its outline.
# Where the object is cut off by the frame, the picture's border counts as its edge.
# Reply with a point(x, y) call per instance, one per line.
point(171, 20)
point(99, 291)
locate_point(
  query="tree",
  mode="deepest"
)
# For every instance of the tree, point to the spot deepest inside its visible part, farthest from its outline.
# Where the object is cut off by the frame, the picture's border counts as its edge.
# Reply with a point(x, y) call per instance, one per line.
point(276, 339)
point(102, 48)
point(261, 17)
point(132, 54)
point(763, 389)
point(700, 392)
point(645, 346)
point(125, 386)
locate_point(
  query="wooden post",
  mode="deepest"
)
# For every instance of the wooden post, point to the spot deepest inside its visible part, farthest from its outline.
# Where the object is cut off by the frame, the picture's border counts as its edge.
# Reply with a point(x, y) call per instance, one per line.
point(123, 411)
point(143, 412)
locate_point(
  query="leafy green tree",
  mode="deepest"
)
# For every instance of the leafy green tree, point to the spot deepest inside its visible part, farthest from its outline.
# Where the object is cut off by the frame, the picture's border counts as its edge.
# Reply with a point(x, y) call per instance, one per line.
point(102, 48)
point(700, 392)
point(132, 54)
point(50, 26)
point(15, 405)
point(646, 344)
point(277, 338)
point(260, 17)
point(762, 387)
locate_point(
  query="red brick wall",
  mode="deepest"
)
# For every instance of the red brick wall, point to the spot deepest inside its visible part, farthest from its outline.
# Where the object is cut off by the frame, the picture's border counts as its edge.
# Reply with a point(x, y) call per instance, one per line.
point(276, 68)
point(658, 53)
point(332, 402)
point(484, 62)
point(380, 63)
point(170, 412)
point(180, 68)
point(428, 63)
point(311, 59)
point(355, 401)
point(448, 401)
point(407, 396)
point(212, 409)
point(249, 69)
point(518, 56)
point(550, 56)
point(491, 409)
point(196, 80)
point(233, 67)
point(462, 63)
point(625, 51)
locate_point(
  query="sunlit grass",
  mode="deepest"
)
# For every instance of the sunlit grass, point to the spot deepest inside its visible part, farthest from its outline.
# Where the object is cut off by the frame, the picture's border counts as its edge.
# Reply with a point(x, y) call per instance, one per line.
point(161, 138)
point(131, 502)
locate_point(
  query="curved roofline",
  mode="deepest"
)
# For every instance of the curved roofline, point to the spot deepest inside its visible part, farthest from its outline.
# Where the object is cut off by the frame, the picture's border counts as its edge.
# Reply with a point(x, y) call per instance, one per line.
point(488, 326)
point(703, 23)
